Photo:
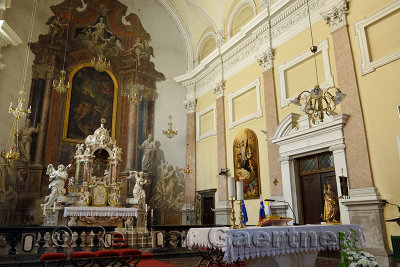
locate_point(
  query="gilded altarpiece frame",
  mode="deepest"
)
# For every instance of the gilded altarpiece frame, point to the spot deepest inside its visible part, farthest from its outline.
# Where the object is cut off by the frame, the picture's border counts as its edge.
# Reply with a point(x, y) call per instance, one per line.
point(93, 95)
point(246, 163)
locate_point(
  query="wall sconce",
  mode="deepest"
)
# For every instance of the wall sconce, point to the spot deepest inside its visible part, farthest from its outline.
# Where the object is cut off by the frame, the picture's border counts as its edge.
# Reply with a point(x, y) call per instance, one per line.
point(187, 170)
point(170, 133)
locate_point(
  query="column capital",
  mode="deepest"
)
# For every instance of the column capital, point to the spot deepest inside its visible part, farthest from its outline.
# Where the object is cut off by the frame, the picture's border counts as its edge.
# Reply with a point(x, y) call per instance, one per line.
point(266, 59)
point(336, 15)
point(190, 105)
point(337, 147)
point(219, 89)
point(44, 71)
point(283, 159)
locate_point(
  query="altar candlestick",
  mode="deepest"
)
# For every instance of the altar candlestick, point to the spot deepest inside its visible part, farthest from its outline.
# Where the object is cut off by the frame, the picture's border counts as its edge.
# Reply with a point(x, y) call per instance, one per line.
point(54, 207)
point(146, 208)
point(151, 212)
point(231, 187)
point(239, 190)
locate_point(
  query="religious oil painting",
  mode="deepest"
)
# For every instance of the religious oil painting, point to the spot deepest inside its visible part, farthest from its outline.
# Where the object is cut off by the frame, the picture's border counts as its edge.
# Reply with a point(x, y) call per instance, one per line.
point(92, 97)
point(246, 162)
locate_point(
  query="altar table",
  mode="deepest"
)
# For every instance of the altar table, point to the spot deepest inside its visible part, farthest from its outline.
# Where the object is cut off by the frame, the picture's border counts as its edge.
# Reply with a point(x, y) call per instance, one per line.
point(273, 245)
point(99, 212)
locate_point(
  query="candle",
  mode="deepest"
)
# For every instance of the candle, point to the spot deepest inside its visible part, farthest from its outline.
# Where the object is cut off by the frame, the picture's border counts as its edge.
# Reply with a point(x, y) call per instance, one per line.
point(231, 187)
point(239, 190)
point(151, 212)
point(54, 206)
point(146, 208)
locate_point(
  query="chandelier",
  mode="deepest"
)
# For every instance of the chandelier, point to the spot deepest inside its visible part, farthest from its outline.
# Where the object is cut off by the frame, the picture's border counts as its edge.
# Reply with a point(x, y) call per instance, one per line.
point(19, 112)
point(317, 101)
point(101, 63)
point(60, 85)
point(135, 98)
point(170, 133)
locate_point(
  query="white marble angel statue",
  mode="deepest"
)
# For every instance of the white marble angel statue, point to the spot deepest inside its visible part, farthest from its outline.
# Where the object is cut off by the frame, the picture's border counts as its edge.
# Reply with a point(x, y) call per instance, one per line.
point(139, 195)
point(57, 180)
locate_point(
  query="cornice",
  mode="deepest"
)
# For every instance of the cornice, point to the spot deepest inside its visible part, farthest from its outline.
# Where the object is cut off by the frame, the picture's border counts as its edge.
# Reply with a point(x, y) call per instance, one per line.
point(287, 19)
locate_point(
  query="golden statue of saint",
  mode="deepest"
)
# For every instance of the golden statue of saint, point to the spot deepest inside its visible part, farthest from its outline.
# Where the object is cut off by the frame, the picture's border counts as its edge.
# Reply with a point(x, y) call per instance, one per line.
point(330, 205)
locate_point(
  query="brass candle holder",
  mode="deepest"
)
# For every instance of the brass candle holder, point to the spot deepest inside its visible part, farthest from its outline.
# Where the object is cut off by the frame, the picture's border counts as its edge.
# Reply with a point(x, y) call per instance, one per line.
point(233, 217)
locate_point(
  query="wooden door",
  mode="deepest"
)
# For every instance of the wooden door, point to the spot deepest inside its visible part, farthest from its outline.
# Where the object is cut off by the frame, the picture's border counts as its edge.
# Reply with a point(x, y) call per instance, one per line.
point(208, 214)
point(314, 172)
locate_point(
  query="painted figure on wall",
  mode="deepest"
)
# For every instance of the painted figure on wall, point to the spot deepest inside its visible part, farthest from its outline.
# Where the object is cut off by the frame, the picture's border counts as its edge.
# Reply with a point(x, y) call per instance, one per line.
point(149, 155)
point(246, 162)
point(92, 98)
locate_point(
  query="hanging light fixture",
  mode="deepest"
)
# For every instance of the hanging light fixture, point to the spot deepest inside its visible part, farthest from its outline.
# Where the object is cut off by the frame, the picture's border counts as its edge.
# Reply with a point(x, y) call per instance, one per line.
point(318, 101)
point(101, 63)
point(135, 95)
point(60, 85)
point(170, 133)
point(187, 170)
point(19, 112)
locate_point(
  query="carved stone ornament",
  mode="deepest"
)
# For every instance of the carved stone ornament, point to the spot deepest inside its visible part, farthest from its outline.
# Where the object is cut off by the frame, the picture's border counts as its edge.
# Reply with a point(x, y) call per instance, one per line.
point(219, 89)
point(336, 16)
point(190, 105)
point(43, 71)
point(266, 60)
point(283, 159)
point(337, 147)
point(220, 38)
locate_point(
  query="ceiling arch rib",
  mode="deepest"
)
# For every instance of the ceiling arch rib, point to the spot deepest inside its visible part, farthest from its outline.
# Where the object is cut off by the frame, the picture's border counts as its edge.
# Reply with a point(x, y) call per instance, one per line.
point(236, 11)
point(182, 29)
point(205, 14)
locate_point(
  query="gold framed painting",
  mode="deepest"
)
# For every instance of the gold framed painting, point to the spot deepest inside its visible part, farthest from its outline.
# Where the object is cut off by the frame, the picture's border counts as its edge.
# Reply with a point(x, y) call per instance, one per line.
point(246, 163)
point(93, 95)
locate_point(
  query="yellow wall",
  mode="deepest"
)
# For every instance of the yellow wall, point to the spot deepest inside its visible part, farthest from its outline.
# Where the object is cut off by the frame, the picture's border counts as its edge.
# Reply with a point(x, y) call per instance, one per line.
point(380, 95)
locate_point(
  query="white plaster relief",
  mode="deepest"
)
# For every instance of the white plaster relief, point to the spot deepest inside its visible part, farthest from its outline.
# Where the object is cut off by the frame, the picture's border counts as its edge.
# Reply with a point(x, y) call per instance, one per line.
point(336, 16)
point(367, 65)
point(288, 18)
point(7, 37)
point(235, 12)
point(198, 124)
point(266, 60)
point(232, 122)
point(322, 48)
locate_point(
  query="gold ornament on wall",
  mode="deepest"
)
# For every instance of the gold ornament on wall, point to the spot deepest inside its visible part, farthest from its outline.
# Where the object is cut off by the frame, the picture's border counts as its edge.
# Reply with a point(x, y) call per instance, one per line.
point(170, 133)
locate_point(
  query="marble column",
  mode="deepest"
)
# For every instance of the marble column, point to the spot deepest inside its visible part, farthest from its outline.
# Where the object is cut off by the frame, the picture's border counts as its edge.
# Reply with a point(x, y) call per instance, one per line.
point(131, 137)
point(364, 206)
point(271, 119)
point(190, 177)
point(44, 117)
point(222, 209)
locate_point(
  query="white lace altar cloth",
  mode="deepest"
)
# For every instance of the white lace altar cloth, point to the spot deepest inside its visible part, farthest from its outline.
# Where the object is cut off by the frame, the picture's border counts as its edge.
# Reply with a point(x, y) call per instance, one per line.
point(100, 212)
point(254, 242)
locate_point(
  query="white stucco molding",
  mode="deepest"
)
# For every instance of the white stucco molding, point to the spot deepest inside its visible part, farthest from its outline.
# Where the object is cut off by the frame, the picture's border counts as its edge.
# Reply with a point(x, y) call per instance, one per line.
point(4, 4)
point(367, 65)
point(219, 89)
point(182, 29)
point(336, 15)
point(190, 105)
point(7, 37)
point(288, 18)
point(323, 48)
point(202, 42)
point(296, 137)
point(266, 59)
point(236, 11)
point(258, 114)
point(198, 124)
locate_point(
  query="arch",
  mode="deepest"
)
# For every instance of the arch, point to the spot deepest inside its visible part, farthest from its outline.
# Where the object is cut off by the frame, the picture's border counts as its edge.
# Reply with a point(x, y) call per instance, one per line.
point(182, 29)
point(202, 42)
point(242, 4)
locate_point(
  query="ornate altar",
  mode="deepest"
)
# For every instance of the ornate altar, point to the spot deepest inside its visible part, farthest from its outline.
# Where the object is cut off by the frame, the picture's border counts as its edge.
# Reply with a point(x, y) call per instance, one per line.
point(94, 194)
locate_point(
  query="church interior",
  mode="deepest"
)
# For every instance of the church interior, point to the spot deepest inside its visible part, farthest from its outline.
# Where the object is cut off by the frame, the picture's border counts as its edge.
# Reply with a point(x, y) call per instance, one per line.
point(192, 132)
